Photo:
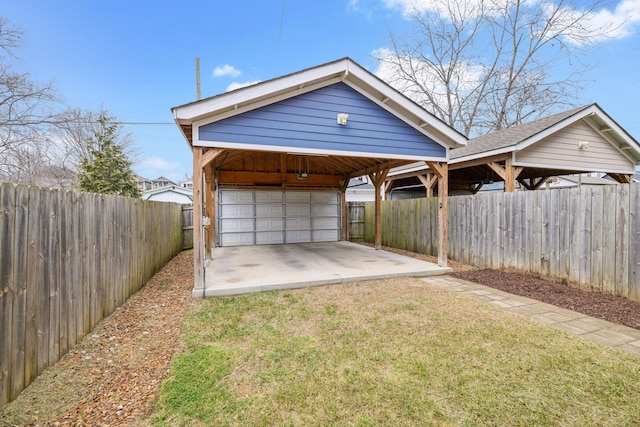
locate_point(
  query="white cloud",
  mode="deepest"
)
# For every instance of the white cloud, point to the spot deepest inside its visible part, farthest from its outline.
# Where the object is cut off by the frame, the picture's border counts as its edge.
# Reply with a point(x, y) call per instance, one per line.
point(226, 70)
point(620, 21)
point(238, 85)
point(617, 23)
point(160, 163)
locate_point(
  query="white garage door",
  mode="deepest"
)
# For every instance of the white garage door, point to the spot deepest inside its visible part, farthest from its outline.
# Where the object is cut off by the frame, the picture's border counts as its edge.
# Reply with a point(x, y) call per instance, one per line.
point(260, 217)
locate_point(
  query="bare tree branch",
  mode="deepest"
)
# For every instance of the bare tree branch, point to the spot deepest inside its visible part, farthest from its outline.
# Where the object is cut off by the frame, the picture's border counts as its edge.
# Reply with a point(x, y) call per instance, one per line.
point(486, 65)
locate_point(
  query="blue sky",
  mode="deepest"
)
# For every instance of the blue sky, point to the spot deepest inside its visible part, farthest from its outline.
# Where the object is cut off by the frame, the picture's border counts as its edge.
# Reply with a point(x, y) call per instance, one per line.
point(136, 58)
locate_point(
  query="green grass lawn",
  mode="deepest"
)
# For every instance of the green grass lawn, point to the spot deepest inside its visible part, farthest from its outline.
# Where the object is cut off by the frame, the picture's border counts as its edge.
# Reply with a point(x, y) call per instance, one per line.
point(391, 352)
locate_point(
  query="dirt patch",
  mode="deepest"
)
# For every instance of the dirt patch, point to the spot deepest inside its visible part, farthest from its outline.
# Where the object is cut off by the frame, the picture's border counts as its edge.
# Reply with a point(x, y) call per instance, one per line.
point(113, 376)
point(604, 306)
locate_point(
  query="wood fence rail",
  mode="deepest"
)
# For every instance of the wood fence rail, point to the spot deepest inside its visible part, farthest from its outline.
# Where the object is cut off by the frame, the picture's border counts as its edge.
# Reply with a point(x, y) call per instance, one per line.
point(587, 237)
point(68, 260)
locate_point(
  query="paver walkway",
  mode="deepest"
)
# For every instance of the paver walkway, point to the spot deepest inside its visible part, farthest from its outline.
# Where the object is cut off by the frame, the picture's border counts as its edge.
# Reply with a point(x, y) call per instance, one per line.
point(599, 331)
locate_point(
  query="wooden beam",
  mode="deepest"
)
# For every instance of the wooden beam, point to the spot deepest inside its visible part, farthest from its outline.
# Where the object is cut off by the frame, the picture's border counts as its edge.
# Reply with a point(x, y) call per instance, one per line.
point(210, 155)
point(198, 238)
point(622, 178)
point(436, 168)
point(534, 183)
point(429, 181)
point(275, 178)
point(387, 186)
point(283, 168)
point(476, 188)
point(498, 169)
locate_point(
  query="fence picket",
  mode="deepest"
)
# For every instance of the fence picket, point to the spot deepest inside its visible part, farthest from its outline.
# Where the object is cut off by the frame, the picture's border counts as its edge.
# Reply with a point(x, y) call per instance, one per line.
point(7, 288)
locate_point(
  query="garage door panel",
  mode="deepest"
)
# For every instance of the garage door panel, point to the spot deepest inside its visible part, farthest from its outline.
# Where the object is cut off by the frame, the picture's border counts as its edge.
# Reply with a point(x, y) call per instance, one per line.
point(298, 236)
point(269, 237)
point(234, 225)
point(298, 224)
point(236, 197)
point(236, 211)
point(325, 235)
point(269, 211)
point(268, 197)
point(236, 239)
point(325, 197)
point(297, 197)
point(269, 224)
point(298, 211)
point(325, 224)
point(325, 210)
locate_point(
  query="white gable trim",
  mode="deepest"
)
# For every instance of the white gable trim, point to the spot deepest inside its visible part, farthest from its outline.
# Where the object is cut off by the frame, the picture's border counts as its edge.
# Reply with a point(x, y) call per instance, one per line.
point(261, 94)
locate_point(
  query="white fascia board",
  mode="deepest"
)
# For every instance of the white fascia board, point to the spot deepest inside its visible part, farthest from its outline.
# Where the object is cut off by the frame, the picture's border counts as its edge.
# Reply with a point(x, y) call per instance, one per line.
point(412, 167)
point(572, 168)
point(263, 102)
point(209, 107)
point(476, 156)
point(312, 151)
point(455, 139)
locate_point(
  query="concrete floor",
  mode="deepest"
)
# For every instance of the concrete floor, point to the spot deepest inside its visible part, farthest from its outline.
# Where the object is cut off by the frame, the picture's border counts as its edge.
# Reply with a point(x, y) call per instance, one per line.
point(247, 269)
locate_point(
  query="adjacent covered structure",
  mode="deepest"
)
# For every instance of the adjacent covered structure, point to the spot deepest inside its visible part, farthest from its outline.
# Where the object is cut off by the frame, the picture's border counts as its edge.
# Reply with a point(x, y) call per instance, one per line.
point(271, 162)
point(580, 140)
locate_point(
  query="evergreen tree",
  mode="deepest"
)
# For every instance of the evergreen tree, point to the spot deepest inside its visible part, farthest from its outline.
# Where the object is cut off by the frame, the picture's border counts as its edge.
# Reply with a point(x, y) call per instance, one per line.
point(107, 169)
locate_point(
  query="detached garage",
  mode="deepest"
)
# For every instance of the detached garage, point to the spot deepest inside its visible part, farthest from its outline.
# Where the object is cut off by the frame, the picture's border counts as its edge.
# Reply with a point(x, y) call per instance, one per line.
point(272, 161)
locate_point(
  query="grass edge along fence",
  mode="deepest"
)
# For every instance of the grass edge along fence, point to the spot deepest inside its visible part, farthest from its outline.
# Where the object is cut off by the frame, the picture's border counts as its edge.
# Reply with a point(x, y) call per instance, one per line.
point(67, 261)
point(588, 237)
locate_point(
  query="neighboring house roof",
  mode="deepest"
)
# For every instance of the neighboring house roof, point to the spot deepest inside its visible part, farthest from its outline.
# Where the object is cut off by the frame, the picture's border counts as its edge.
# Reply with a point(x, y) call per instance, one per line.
point(344, 71)
point(357, 184)
point(169, 193)
point(519, 137)
point(566, 181)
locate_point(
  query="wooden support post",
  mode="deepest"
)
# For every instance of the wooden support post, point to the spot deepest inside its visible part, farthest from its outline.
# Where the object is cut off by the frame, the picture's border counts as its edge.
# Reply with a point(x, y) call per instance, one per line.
point(441, 170)
point(443, 215)
point(344, 210)
point(209, 193)
point(198, 238)
point(378, 180)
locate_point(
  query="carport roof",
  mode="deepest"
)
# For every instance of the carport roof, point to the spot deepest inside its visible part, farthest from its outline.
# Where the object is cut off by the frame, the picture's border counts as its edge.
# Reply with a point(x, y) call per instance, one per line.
point(343, 70)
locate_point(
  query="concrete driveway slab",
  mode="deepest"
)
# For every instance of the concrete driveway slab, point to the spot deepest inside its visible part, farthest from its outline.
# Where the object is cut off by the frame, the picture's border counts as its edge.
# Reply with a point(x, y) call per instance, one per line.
point(247, 269)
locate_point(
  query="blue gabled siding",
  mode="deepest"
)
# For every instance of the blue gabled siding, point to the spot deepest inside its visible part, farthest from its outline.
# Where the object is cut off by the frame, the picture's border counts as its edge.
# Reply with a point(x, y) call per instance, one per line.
point(309, 121)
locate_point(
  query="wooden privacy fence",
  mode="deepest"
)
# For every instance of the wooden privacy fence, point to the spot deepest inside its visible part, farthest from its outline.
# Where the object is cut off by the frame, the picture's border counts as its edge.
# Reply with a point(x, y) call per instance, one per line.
point(587, 237)
point(187, 226)
point(68, 260)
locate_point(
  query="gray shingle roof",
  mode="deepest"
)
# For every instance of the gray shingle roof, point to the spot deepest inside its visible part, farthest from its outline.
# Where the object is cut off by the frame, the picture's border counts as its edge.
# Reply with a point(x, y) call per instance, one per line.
point(513, 135)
